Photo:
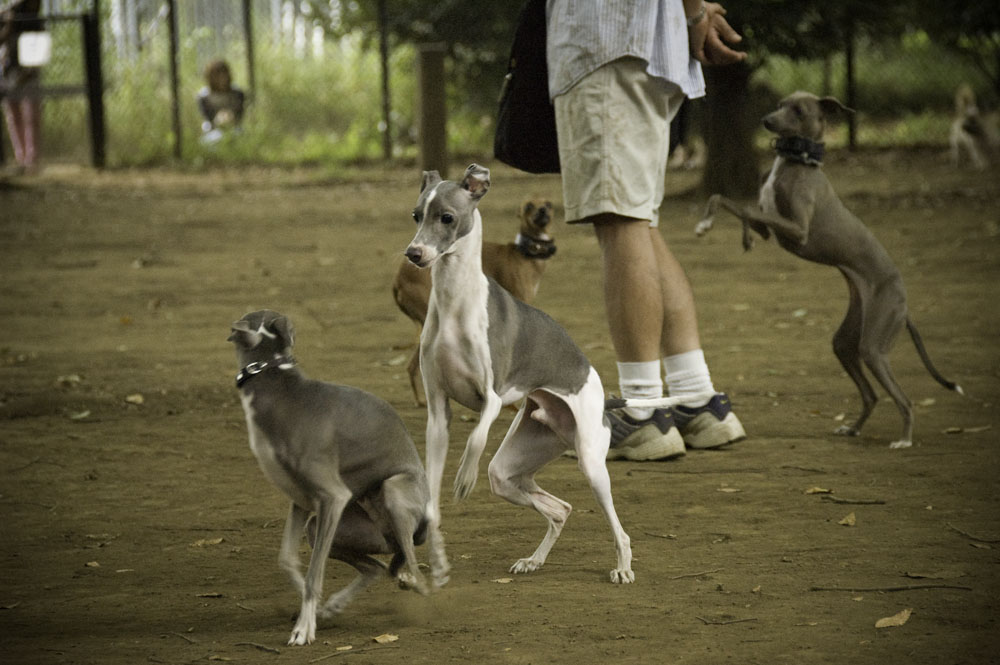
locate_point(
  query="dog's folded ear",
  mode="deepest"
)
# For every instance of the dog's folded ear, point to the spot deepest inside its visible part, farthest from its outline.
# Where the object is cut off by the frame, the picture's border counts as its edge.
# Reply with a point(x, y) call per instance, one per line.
point(284, 329)
point(476, 181)
point(832, 105)
point(430, 178)
point(244, 335)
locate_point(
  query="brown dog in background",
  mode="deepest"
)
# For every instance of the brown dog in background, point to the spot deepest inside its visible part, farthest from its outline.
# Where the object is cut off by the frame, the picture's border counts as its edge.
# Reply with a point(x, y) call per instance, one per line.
point(517, 266)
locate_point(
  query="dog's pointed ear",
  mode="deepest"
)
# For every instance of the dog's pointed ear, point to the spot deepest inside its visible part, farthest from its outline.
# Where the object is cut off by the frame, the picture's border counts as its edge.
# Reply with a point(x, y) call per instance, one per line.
point(476, 180)
point(284, 329)
point(431, 178)
point(243, 335)
point(832, 106)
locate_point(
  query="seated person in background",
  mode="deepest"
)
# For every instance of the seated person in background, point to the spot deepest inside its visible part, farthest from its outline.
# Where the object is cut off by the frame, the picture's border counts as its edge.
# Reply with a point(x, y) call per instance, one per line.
point(220, 103)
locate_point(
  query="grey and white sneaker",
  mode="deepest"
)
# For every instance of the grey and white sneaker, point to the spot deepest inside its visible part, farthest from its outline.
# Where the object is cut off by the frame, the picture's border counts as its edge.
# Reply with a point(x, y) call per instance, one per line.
point(655, 438)
point(709, 426)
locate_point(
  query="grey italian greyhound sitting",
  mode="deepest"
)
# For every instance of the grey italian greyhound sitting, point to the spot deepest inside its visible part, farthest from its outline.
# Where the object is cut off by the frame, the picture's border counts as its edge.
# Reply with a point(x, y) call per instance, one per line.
point(485, 349)
point(341, 455)
point(798, 204)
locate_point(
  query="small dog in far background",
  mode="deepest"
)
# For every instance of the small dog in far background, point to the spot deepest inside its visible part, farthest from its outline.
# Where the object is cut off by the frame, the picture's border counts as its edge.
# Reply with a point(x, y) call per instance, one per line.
point(517, 266)
point(973, 132)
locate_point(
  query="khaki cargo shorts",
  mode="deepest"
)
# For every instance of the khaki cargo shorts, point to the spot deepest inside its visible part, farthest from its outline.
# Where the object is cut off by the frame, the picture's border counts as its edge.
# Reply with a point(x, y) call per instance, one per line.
point(614, 140)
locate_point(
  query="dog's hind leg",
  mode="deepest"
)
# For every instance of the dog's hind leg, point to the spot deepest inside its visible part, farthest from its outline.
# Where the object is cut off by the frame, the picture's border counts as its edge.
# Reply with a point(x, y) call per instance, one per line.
point(400, 494)
point(527, 447)
point(593, 437)
point(370, 570)
point(885, 321)
point(847, 348)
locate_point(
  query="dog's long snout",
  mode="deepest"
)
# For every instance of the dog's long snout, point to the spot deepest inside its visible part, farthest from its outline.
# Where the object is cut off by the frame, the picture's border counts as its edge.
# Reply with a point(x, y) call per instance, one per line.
point(414, 254)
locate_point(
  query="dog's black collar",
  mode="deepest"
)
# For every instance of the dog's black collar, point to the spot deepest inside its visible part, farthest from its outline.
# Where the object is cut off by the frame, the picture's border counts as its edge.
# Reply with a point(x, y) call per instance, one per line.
point(800, 149)
point(533, 248)
point(255, 368)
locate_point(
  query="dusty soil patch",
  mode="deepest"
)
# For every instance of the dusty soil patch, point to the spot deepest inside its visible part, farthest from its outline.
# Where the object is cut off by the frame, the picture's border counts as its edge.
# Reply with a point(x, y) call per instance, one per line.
point(140, 530)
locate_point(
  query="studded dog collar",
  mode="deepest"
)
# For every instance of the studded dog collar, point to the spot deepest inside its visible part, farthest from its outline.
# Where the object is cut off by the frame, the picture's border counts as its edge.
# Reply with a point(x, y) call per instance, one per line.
point(533, 248)
point(255, 368)
point(800, 149)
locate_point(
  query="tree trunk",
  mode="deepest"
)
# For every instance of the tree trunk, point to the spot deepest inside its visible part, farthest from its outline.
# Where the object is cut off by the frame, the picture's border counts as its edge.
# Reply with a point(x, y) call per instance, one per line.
point(731, 166)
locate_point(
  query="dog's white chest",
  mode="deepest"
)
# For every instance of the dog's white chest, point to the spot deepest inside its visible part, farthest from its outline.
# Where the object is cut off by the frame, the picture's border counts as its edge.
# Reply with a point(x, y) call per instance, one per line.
point(767, 201)
point(268, 461)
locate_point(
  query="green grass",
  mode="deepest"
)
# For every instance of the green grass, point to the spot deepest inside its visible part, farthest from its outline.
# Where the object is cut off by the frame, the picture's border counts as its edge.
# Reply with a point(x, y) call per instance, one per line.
point(328, 111)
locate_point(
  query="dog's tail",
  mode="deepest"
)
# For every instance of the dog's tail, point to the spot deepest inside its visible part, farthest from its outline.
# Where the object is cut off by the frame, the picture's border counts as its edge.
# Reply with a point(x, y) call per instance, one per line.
point(654, 402)
point(919, 343)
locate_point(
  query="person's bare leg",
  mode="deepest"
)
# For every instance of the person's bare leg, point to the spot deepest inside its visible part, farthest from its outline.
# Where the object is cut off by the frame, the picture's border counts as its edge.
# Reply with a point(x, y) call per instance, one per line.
point(680, 323)
point(633, 293)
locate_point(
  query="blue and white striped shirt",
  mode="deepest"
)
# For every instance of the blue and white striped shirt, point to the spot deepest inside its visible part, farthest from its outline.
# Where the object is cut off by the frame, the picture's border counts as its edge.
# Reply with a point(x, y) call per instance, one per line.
point(584, 35)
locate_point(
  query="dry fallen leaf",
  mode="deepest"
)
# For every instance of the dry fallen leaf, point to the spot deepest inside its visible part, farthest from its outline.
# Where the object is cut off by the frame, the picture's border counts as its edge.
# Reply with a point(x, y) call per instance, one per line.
point(207, 541)
point(840, 416)
point(135, 398)
point(894, 620)
point(818, 490)
point(730, 490)
point(930, 401)
point(92, 564)
point(850, 520)
point(346, 647)
point(504, 580)
point(385, 638)
point(80, 415)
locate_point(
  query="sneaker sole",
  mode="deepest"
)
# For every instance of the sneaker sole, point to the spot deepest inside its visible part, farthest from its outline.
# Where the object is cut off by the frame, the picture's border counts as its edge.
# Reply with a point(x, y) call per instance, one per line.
point(658, 447)
point(669, 446)
point(705, 432)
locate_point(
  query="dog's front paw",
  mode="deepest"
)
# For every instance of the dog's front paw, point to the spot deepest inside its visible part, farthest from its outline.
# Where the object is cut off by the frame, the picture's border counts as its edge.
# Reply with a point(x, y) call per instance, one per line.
point(902, 443)
point(526, 565)
point(465, 480)
point(622, 576)
point(410, 582)
point(304, 633)
point(704, 226)
point(847, 430)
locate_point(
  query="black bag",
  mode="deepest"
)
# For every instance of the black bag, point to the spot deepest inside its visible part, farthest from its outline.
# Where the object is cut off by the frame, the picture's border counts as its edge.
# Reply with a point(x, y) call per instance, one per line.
point(526, 122)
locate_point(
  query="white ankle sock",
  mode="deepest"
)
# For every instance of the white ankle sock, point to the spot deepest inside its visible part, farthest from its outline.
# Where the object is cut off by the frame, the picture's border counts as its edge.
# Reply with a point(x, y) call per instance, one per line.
point(640, 380)
point(687, 374)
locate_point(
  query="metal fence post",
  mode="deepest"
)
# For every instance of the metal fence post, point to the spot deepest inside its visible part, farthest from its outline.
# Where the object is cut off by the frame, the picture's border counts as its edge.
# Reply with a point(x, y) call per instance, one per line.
point(91, 23)
point(174, 79)
point(248, 39)
point(431, 109)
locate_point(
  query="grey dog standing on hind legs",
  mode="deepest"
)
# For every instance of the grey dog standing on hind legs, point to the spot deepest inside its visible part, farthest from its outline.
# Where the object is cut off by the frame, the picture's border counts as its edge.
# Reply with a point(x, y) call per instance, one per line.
point(485, 349)
point(798, 204)
point(341, 455)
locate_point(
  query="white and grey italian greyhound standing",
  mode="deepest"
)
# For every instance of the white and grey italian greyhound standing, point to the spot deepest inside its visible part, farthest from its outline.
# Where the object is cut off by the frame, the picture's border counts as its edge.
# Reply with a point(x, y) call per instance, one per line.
point(485, 349)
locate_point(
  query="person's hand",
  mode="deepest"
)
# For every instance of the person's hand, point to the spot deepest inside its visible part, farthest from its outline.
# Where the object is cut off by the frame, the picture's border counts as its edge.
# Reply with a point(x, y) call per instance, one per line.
point(708, 38)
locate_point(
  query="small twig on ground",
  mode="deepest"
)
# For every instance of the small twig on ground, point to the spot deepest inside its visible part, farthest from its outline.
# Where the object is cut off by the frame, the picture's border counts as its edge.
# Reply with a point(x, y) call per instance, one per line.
point(257, 646)
point(185, 638)
point(802, 468)
point(668, 536)
point(726, 622)
point(244, 607)
point(354, 651)
point(905, 587)
point(972, 537)
point(706, 572)
point(858, 502)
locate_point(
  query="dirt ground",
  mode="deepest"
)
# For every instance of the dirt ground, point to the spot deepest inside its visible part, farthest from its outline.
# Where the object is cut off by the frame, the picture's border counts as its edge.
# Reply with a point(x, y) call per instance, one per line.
point(137, 527)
